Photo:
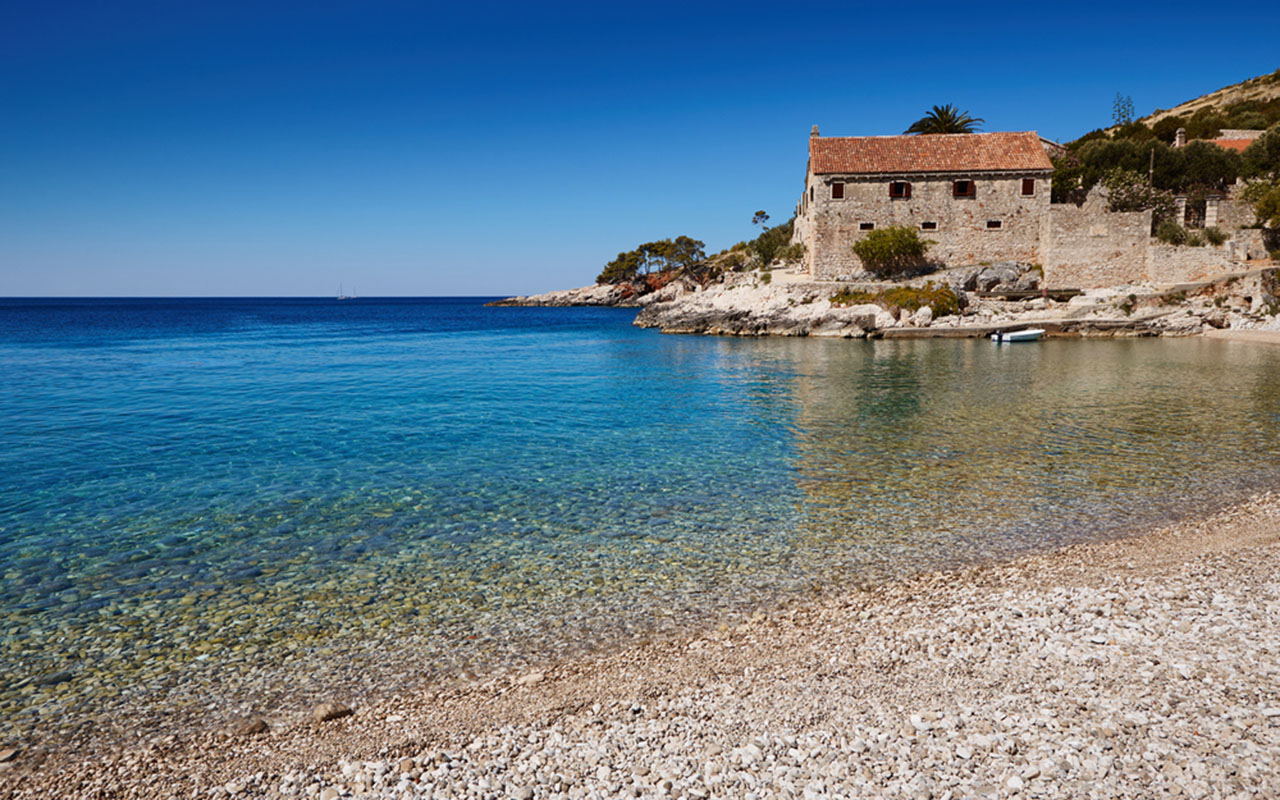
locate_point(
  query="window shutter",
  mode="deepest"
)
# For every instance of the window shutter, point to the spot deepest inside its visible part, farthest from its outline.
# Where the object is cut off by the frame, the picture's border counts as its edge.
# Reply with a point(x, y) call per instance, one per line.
point(837, 191)
point(906, 190)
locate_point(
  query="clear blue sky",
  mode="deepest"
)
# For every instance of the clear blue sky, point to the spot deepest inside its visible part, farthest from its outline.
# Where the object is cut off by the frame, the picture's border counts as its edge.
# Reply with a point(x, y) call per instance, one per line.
point(237, 148)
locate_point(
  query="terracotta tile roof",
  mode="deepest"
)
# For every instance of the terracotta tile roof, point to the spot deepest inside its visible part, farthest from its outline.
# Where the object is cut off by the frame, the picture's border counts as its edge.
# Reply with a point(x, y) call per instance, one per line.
point(951, 152)
point(1239, 145)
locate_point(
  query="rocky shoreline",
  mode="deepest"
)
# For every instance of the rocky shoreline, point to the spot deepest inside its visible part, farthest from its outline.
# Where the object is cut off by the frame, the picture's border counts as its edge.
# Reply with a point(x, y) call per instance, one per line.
point(615, 296)
point(1138, 667)
point(783, 304)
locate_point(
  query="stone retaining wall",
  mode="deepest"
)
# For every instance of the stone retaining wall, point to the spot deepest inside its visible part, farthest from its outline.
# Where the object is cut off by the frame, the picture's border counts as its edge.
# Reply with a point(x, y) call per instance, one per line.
point(1088, 247)
point(1169, 264)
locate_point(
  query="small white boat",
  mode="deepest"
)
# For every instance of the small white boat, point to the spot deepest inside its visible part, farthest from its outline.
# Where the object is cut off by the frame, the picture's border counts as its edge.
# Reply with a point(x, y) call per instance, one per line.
point(1024, 335)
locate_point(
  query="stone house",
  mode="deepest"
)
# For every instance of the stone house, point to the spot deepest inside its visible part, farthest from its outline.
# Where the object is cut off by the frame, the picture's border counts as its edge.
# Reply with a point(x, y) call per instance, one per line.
point(982, 197)
point(978, 197)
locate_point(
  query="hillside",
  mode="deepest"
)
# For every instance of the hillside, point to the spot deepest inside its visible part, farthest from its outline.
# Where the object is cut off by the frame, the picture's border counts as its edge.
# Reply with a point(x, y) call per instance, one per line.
point(1262, 89)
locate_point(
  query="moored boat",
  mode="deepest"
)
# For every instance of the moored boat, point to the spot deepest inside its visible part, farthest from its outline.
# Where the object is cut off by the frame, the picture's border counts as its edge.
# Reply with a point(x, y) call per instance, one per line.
point(1024, 335)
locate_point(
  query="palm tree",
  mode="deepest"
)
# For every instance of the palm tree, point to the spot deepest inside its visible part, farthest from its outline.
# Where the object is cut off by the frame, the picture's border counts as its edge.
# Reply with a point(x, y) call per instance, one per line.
point(945, 119)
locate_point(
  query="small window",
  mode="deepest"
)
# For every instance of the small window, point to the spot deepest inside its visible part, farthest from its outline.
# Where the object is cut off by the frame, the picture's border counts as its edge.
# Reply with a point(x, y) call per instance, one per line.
point(928, 226)
point(900, 189)
point(993, 224)
point(810, 194)
point(1028, 187)
point(837, 191)
point(866, 226)
point(964, 189)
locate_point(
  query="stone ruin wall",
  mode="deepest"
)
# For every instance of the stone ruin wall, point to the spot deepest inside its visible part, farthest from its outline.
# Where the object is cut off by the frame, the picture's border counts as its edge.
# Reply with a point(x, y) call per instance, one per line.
point(1088, 247)
point(961, 236)
point(1169, 264)
point(1235, 213)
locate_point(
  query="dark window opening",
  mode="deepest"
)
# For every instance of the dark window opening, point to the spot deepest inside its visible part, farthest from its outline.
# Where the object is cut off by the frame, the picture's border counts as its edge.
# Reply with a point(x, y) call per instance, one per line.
point(837, 191)
point(964, 189)
point(900, 189)
point(810, 194)
point(928, 226)
point(866, 226)
point(1028, 187)
point(993, 224)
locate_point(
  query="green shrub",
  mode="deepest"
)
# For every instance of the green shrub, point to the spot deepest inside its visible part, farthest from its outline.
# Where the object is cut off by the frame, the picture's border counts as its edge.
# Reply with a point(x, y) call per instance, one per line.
point(769, 245)
point(1265, 198)
point(1128, 190)
point(1247, 120)
point(941, 299)
point(1171, 232)
point(1136, 131)
point(792, 252)
point(1274, 255)
point(1195, 240)
point(1167, 129)
point(852, 297)
point(1216, 236)
point(766, 277)
point(681, 252)
point(892, 251)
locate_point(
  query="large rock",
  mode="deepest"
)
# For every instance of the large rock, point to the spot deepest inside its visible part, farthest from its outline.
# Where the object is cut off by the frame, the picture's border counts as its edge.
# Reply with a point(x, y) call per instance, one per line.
point(330, 710)
point(1006, 276)
point(249, 726)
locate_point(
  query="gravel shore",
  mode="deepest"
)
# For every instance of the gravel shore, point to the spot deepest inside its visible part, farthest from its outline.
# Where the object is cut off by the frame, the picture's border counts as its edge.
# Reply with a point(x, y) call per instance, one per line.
point(1140, 667)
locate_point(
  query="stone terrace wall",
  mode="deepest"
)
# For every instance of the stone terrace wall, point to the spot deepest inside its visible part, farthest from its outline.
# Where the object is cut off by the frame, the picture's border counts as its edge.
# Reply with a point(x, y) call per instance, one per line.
point(1248, 244)
point(1088, 247)
point(1169, 264)
point(961, 236)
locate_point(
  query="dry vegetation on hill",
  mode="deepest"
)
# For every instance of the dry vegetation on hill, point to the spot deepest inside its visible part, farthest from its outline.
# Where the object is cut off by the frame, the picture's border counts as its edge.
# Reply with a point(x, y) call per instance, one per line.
point(1261, 89)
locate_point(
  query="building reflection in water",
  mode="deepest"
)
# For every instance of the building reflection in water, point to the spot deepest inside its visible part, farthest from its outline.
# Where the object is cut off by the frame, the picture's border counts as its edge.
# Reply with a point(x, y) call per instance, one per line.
point(912, 454)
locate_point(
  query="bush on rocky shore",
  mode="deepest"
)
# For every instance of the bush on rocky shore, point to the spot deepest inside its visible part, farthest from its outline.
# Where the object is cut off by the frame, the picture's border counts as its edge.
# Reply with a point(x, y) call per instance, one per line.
point(941, 300)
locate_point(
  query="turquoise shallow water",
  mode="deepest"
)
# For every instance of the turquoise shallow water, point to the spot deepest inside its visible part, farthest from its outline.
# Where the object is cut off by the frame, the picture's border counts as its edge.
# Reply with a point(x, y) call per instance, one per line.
point(246, 503)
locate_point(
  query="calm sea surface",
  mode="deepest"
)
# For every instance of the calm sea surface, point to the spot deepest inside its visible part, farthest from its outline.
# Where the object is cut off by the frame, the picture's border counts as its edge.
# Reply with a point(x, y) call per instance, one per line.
point(246, 504)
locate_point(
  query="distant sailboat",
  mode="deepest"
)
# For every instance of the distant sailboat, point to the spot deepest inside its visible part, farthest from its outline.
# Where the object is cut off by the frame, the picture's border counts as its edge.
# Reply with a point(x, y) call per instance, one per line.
point(341, 295)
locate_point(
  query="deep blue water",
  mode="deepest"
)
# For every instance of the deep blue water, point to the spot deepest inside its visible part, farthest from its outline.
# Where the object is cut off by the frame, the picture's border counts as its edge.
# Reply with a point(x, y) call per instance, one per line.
point(207, 499)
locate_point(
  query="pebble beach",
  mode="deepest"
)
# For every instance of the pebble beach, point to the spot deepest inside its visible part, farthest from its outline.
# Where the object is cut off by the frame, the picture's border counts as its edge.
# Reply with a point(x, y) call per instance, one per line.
point(1143, 666)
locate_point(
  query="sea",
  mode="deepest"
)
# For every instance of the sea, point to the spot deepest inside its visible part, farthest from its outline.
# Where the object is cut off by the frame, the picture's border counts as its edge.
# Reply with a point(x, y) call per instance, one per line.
point(212, 507)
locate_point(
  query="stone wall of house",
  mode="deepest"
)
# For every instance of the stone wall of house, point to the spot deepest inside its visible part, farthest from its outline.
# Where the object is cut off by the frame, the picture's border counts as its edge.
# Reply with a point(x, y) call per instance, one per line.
point(960, 230)
point(1078, 246)
point(1169, 264)
point(1087, 246)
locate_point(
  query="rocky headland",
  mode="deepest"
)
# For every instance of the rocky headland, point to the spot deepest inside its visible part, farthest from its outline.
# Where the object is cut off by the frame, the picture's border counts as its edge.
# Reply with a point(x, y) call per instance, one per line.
point(962, 302)
point(621, 295)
